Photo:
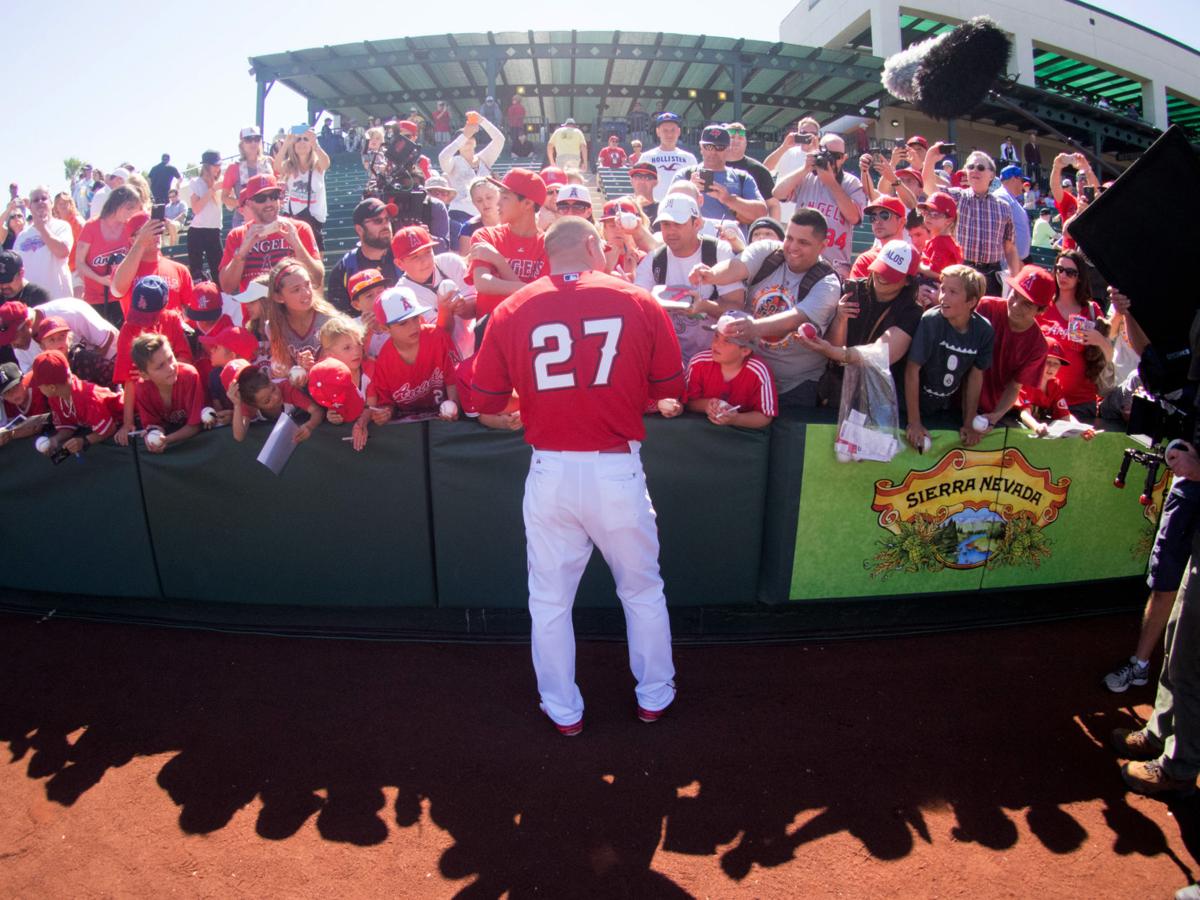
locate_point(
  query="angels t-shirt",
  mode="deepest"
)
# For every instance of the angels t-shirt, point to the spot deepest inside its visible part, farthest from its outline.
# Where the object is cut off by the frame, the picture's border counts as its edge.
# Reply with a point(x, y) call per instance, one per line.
point(940, 251)
point(169, 324)
point(526, 256)
point(419, 386)
point(267, 250)
point(187, 401)
point(103, 257)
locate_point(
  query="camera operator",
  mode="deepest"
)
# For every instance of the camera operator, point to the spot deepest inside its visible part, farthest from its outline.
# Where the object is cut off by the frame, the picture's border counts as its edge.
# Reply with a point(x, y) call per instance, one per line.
point(1164, 755)
point(839, 197)
point(397, 178)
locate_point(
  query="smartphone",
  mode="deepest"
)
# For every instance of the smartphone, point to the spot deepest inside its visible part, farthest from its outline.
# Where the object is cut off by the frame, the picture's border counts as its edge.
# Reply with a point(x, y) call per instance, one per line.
point(299, 129)
point(1089, 193)
point(803, 137)
point(158, 212)
point(706, 175)
point(949, 148)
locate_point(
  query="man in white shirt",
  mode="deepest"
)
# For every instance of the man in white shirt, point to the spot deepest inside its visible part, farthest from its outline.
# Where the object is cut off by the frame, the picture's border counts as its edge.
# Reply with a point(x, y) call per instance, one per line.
point(45, 245)
point(667, 158)
point(18, 323)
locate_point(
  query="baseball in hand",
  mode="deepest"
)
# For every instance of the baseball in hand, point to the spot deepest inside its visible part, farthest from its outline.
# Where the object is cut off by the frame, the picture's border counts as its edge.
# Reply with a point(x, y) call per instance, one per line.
point(808, 330)
point(926, 444)
point(446, 289)
point(208, 415)
point(155, 439)
point(980, 424)
point(448, 409)
point(42, 445)
point(627, 221)
point(668, 406)
point(297, 376)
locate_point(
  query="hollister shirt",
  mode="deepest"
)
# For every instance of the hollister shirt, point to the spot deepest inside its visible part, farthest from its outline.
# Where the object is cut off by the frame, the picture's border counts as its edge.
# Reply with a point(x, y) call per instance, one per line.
point(584, 352)
point(187, 401)
point(421, 385)
point(266, 251)
point(526, 256)
point(668, 163)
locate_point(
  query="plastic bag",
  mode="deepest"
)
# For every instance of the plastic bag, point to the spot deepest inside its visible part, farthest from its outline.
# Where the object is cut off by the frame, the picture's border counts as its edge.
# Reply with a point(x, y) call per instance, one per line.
point(869, 417)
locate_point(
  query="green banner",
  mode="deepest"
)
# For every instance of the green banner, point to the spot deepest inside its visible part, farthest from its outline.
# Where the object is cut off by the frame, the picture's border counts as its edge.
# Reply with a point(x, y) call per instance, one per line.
point(1013, 511)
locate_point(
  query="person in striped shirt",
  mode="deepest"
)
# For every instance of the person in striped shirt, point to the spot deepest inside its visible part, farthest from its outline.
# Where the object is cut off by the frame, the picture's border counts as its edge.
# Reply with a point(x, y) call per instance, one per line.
point(728, 383)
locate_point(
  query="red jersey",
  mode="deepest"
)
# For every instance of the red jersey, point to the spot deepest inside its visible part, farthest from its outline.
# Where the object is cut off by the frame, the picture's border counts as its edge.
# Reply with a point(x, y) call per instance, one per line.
point(1076, 386)
point(34, 405)
point(584, 352)
point(1016, 355)
point(103, 257)
point(940, 251)
point(89, 404)
point(612, 157)
point(167, 323)
point(266, 251)
point(1048, 403)
point(1068, 205)
point(861, 267)
point(752, 389)
point(187, 401)
point(526, 257)
point(420, 387)
point(176, 275)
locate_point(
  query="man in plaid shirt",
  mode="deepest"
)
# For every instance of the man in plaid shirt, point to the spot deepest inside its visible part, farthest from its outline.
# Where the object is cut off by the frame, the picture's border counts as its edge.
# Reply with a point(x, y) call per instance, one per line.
point(985, 223)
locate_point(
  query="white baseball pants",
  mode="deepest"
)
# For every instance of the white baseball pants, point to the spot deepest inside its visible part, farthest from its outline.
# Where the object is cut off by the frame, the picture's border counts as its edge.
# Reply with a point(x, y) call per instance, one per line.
point(572, 501)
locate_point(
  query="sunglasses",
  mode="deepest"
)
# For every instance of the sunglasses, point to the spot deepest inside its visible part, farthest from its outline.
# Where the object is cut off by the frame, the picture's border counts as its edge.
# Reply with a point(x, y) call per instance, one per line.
point(253, 140)
point(977, 167)
point(267, 197)
point(934, 214)
point(884, 215)
point(1070, 273)
point(574, 204)
point(736, 132)
point(644, 175)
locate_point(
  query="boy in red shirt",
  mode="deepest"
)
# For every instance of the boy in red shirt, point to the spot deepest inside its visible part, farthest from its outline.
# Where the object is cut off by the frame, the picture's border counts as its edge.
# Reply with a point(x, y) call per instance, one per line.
point(506, 257)
point(255, 396)
point(205, 316)
point(728, 383)
point(224, 347)
point(1047, 402)
point(147, 312)
point(941, 214)
point(342, 341)
point(168, 395)
point(75, 405)
point(414, 372)
point(17, 399)
point(365, 287)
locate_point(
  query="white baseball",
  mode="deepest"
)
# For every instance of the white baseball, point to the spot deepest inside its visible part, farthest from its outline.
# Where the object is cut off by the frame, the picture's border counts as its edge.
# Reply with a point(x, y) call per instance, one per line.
point(926, 444)
point(842, 455)
point(42, 445)
point(208, 415)
point(667, 406)
point(449, 409)
point(446, 289)
point(155, 439)
point(980, 423)
point(628, 221)
point(297, 376)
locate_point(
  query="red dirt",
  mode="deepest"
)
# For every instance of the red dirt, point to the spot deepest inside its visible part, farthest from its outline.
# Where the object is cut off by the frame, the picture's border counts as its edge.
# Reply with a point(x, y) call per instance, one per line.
point(164, 762)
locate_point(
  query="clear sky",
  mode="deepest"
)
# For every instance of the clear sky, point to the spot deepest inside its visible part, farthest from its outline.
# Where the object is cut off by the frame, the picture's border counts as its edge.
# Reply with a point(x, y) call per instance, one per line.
point(174, 78)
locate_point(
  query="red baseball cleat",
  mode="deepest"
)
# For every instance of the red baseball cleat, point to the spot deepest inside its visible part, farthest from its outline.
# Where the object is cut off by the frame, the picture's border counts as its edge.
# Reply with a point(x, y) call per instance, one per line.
point(651, 715)
point(564, 730)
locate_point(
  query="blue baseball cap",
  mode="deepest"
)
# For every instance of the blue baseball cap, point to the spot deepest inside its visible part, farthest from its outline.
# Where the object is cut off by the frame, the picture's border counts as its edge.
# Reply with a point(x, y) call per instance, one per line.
point(667, 116)
point(1011, 172)
point(148, 299)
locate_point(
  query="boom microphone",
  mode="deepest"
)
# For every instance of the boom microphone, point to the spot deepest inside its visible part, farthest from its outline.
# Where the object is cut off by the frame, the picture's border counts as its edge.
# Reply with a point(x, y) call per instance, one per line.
point(948, 76)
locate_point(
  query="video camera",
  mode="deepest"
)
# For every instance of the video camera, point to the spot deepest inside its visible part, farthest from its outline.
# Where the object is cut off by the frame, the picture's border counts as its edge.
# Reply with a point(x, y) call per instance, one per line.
point(397, 180)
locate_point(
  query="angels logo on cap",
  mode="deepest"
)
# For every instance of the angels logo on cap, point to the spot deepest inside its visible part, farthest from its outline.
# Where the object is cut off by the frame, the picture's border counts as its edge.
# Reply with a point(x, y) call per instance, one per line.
point(1035, 284)
point(410, 240)
point(398, 304)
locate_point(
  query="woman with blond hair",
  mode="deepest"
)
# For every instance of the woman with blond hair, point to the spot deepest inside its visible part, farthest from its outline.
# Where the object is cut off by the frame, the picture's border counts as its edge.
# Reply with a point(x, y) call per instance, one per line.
point(301, 165)
point(295, 313)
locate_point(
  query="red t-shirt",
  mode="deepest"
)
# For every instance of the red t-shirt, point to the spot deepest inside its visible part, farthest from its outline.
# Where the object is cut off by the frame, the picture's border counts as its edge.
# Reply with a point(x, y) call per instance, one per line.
point(612, 157)
point(35, 401)
point(420, 387)
point(752, 388)
point(940, 251)
point(89, 404)
point(266, 251)
point(1016, 355)
point(187, 401)
point(1068, 205)
point(1077, 387)
point(103, 257)
point(441, 120)
point(861, 267)
point(176, 275)
point(526, 257)
point(584, 352)
point(1045, 404)
point(169, 324)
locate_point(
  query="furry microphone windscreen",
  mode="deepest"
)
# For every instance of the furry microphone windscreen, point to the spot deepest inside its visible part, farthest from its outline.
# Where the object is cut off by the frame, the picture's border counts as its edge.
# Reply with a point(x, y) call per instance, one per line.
point(956, 73)
point(900, 70)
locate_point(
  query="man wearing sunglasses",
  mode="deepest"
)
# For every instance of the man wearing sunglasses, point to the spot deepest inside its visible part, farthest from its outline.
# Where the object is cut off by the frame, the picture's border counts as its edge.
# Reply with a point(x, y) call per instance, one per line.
point(266, 238)
point(725, 193)
point(985, 221)
point(736, 158)
point(886, 217)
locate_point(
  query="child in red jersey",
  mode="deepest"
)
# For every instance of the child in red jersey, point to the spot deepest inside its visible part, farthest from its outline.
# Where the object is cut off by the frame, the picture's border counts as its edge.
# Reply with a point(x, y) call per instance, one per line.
point(224, 347)
point(254, 396)
point(82, 413)
point(1047, 402)
point(414, 372)
point(941, 250)
point(147, 312)
point(728, 383)
point(168, 396)
point(342, 340)
point(19, 404)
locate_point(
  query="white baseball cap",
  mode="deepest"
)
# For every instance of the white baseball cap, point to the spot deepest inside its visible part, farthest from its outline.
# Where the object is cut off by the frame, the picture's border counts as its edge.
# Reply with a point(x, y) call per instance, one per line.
point(677, 208)
point(255, 290)
point(575, 192)
point(398, 304)
point(897, 260)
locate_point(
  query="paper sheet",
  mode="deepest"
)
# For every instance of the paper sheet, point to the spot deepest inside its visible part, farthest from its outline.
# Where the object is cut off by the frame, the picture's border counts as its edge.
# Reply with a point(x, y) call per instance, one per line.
point(278, 448)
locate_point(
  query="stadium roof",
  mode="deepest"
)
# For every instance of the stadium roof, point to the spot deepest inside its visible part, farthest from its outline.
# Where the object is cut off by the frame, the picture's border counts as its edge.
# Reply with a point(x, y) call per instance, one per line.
point(586, 75)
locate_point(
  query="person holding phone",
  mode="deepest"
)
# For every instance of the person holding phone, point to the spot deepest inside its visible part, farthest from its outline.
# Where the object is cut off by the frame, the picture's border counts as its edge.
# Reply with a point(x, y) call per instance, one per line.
point(301, 164)
point(461, 165)
point(251, 162)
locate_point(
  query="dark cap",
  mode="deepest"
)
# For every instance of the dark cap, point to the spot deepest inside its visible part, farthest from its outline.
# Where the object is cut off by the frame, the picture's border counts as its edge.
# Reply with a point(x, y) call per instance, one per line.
point(644, 168)
point(766, 222)
point(148, 299)
point(10, 376)
point(368, 209)
point(10, 265)
point(210, 158)
point(715, 135)
point(666, 116)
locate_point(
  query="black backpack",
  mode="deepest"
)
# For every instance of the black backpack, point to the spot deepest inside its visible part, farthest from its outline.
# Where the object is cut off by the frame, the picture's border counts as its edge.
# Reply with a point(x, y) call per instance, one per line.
point(708, 256)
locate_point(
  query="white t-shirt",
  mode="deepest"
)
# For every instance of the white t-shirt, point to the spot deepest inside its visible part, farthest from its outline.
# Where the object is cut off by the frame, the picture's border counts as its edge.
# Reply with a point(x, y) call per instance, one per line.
point(210, 214)
point(96, 205)
point(86, 326)
point(692, 336)
point(299, 199)
point(668, 163)
point(42, 267)
point(452, 266)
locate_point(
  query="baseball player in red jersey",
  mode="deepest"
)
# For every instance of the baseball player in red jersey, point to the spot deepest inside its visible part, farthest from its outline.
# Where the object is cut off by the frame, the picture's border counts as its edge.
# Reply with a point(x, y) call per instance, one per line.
point(585, 351)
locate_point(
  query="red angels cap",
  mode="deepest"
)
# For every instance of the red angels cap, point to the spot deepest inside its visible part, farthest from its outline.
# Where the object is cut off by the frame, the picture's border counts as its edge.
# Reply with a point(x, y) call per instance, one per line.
point(897, 260)
point(50, 325)
point(331, 385)
point(959, 179)
point(614, 208)
point(12, 314)
point(50, 367)
point(258, 185)
point(231, 371)
point(1033, 283)
point(410, 240)
point(206, 303)
point(942, 202)
point(910, 173)
point(918, 140)
point(525, 182)
point(398, 304)
point(552, 175)
point(1054, 350)
point(235, 339)
point(362, 280)
point(408, 126)
point(894, 205)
